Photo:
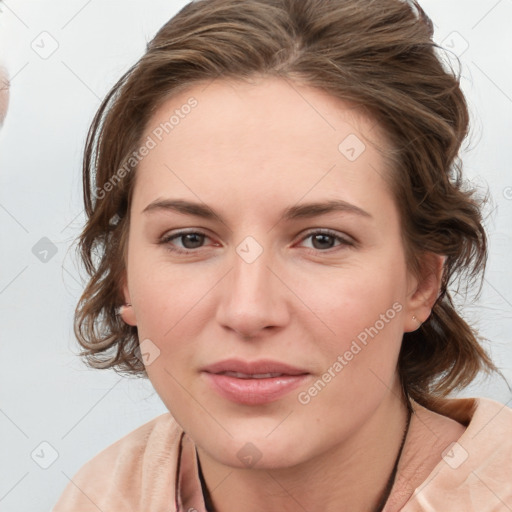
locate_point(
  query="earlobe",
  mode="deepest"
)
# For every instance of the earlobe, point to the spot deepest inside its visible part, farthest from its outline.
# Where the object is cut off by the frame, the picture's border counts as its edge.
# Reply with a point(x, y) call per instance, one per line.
point(426, 291)
point(126, 311)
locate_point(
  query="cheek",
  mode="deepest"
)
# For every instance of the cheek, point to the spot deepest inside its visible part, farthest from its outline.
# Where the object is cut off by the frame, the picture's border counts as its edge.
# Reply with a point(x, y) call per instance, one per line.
point(365, 310)
point(169, 302)
point(353, 300)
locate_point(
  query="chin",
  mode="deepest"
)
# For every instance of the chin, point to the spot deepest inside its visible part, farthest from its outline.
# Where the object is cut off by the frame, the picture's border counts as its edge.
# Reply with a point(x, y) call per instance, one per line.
point(257, 449)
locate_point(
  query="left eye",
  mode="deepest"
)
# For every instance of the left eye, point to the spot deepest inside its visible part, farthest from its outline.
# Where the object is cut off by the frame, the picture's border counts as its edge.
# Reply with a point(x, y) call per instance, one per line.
point(323, 240)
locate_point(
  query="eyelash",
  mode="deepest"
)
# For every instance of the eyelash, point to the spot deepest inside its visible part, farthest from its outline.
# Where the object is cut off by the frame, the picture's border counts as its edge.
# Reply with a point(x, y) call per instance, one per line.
point(166, 239)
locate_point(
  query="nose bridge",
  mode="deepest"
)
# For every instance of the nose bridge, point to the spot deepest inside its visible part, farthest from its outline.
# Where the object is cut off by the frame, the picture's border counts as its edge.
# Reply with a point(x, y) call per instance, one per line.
point(251, 298)
point(251, 275)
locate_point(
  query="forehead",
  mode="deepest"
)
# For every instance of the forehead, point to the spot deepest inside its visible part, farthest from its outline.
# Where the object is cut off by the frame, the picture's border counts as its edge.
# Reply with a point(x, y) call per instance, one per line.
point(264, 107)
point(270, 136)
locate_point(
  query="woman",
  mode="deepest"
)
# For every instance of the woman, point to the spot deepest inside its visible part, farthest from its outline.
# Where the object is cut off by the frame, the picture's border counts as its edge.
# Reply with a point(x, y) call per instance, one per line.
point(298, 376)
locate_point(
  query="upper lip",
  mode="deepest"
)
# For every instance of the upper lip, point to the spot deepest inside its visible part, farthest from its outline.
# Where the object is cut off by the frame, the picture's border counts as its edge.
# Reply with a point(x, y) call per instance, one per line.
point(253, 367)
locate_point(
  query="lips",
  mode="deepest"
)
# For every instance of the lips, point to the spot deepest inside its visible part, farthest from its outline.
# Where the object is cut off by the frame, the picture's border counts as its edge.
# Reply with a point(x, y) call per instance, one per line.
point(239, 375)
point(253, 368)
point(253, 383)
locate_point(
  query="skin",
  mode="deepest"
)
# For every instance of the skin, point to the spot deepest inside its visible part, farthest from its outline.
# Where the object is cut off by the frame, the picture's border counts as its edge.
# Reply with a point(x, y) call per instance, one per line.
point(248, 151)
point(4, 94)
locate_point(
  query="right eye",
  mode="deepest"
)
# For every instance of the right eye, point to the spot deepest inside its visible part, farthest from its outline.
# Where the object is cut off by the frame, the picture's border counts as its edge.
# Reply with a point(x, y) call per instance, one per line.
point(189, 240)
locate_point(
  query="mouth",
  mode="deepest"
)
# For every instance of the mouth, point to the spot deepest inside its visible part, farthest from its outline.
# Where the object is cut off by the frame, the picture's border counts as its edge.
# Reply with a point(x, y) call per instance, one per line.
point(239, 375)
point(253, 383)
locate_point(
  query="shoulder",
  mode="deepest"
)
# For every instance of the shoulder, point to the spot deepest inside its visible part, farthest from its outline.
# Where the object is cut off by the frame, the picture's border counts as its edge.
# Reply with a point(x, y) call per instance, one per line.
point(125, 475)
point(473, 473)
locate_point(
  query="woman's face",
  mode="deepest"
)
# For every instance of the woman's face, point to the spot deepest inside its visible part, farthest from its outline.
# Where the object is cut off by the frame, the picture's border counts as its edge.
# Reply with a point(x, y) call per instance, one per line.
point(271, 330)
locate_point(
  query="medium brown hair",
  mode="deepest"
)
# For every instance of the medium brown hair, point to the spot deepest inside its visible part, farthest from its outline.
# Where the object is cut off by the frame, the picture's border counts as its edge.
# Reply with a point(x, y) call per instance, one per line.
point(378, 55)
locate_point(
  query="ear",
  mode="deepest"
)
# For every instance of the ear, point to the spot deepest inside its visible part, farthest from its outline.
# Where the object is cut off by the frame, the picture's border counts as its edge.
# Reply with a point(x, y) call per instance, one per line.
point(127, 311)
point(424, 290)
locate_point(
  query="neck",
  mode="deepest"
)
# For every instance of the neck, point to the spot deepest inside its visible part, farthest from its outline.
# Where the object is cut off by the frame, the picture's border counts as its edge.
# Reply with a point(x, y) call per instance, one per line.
point(351, 476)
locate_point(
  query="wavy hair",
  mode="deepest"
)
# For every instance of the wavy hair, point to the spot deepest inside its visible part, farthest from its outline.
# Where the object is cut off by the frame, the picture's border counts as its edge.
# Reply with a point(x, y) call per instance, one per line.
point(377, 54)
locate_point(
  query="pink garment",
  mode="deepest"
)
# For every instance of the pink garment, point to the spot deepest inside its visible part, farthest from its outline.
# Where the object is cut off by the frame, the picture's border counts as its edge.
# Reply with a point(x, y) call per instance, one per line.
point(154, 469)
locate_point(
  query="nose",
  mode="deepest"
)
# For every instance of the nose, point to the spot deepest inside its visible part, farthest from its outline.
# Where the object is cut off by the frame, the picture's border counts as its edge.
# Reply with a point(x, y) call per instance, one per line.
point(253, 298)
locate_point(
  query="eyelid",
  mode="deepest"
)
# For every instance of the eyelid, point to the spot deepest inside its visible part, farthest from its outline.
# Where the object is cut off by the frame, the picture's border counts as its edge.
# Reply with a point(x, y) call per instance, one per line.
point(343, 239)
point(167, 237)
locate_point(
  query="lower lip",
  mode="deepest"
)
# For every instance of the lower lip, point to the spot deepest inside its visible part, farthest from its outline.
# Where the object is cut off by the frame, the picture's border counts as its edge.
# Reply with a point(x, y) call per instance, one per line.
point(254, 391)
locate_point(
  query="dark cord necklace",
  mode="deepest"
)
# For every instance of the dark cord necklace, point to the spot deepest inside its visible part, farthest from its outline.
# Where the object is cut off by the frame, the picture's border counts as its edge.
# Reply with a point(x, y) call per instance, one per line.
point(385, 495)
point(391, 480)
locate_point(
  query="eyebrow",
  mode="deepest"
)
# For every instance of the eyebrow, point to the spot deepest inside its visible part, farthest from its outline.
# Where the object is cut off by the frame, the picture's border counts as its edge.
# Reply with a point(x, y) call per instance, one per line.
point(302, 211)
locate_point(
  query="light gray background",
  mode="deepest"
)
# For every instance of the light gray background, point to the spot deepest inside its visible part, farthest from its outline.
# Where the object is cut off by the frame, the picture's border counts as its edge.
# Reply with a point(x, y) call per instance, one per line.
point(47, 394)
